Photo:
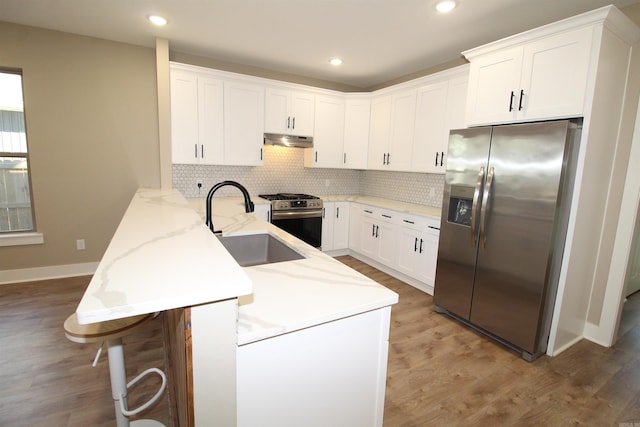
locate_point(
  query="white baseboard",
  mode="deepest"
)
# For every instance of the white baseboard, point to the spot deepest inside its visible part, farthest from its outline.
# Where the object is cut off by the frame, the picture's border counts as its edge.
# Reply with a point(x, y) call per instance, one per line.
point(44, 273)
point(421, 286)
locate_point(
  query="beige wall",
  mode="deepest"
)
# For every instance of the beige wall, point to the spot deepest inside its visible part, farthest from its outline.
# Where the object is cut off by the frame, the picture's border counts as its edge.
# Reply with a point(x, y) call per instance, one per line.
point(92, 130)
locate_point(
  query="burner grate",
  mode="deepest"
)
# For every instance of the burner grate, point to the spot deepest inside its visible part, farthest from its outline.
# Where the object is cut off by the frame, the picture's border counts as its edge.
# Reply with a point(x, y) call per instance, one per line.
point(287, 196)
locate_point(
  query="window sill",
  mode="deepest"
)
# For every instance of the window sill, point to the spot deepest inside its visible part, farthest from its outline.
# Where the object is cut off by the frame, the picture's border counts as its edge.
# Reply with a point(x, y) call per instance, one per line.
point(20, 239)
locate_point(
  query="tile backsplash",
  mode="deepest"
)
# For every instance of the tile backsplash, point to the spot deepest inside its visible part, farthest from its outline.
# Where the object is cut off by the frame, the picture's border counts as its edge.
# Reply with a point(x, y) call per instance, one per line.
point(283, 171)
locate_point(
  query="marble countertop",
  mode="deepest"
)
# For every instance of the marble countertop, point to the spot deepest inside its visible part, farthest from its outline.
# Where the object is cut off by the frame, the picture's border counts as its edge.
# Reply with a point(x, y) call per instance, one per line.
point(293, 295)
point(162, 256)
point(410, 208)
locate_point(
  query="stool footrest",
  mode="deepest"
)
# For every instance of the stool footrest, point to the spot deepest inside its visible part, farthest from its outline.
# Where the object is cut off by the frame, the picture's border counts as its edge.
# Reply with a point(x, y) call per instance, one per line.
point(144, 406)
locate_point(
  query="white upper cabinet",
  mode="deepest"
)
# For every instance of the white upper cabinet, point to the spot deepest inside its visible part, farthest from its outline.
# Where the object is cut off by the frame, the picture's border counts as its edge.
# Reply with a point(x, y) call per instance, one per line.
point(328, 139)
point(289, 112)
point(539, 79)
point(356, 133)
point(392, 128)
point(431, 128)
point(215, 120)
point(243, 123)
point(403, 119)
point(440, 108)
point(196, 118)
point(379, 132)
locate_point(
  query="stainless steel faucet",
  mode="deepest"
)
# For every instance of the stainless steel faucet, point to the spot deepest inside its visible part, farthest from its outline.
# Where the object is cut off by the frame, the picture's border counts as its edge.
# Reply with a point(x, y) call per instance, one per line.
point(248, 204)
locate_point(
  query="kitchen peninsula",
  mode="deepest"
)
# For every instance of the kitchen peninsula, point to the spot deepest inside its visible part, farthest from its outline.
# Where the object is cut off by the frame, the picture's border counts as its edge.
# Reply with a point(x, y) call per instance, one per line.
point(294, 343)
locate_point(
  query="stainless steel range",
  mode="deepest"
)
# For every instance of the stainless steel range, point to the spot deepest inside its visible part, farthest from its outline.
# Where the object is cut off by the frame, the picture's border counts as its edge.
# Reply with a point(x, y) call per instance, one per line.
point(297, 214)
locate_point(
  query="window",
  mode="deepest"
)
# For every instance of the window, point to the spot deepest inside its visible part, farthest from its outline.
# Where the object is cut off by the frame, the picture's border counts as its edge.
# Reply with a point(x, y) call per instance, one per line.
point(16, 214)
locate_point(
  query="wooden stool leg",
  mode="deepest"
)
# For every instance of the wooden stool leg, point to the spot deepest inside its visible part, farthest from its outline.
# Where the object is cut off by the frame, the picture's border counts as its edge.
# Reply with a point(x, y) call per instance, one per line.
point(118, 374)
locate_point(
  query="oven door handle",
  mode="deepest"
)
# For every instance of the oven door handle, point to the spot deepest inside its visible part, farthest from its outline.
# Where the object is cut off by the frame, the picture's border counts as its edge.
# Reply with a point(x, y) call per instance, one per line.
point(276, 215)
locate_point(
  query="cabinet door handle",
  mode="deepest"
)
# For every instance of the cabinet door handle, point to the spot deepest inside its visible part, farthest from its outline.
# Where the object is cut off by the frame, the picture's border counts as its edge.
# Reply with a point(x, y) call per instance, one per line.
point(441, 158)
point(521, 98)
point(511, 101)
point(337, 211)
point(386, 216)
point(261, 154)
point(377, 228)
point(195, 148)
point(373, 230)
point(293, 126)
point(202, 151)
point(407, 221)
point(388, 158)
point(369, 212)
point(289, 121)
point(421, 245)
point(415, 245)
point(316, 156)
point(437, 158)
point(433, 228)
point(344, 158)
point(384, 158)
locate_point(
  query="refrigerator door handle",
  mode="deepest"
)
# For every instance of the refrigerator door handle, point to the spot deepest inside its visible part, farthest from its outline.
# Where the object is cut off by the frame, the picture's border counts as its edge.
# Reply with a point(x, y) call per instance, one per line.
point(483, 209)
point(474, 205)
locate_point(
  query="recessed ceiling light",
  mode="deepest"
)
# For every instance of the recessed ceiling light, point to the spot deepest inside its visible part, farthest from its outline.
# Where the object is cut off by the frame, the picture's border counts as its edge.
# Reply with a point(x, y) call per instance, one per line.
point(335, 61)
point(445, 6)
point(157, 20)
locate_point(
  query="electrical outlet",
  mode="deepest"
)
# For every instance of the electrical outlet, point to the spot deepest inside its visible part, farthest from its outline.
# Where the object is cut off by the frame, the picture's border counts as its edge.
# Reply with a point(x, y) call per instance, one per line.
point(80, 245)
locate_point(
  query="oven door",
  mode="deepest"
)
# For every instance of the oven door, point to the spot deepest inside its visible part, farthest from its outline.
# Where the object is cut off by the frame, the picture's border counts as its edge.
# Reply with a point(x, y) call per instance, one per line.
point(306, 225)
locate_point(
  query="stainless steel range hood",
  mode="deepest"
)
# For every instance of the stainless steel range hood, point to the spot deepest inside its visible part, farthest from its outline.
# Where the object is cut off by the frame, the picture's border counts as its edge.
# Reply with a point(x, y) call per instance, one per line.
point(288, 140)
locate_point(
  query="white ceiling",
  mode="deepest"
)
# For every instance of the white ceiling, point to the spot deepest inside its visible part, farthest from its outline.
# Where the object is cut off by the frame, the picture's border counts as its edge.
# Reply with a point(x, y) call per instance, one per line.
point(379, 40)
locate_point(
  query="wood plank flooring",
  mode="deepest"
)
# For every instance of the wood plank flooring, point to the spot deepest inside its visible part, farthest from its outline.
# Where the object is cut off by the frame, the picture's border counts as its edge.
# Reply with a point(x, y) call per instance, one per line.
point(440, 372)
point(47, 380)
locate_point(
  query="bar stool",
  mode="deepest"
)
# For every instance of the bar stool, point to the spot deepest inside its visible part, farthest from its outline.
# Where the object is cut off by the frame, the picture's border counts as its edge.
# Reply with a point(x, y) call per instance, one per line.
point(112, 332)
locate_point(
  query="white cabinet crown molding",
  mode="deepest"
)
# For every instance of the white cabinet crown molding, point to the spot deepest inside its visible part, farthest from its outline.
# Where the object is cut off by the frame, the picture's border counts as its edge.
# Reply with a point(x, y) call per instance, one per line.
point(610, 16)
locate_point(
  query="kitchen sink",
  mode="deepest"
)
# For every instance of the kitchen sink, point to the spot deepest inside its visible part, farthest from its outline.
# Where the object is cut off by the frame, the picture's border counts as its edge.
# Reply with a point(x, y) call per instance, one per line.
point(257, 249)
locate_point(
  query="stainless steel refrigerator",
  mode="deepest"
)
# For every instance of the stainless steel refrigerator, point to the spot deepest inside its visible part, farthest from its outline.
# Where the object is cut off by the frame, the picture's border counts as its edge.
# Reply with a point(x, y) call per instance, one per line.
point(505, 211)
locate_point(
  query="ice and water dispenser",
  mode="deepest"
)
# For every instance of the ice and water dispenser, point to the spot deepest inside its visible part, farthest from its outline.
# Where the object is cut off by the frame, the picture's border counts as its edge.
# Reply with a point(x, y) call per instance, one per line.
point(460, 204)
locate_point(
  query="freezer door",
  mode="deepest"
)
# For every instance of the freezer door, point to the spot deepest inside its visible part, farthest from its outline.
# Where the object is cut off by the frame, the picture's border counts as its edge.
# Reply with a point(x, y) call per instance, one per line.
point(468, 154)
point(517, 229)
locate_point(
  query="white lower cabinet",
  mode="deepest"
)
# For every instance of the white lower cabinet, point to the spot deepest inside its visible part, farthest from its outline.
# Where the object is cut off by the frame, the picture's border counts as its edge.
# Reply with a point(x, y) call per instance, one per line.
point(403, 245)
point(335, 226)
point(377, 233)
point(327, 375)
point(418, 248)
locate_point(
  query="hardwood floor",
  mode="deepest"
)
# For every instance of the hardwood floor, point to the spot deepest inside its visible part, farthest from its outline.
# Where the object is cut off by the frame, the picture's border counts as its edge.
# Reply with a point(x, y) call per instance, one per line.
point(440, 372)
point(47, 380)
